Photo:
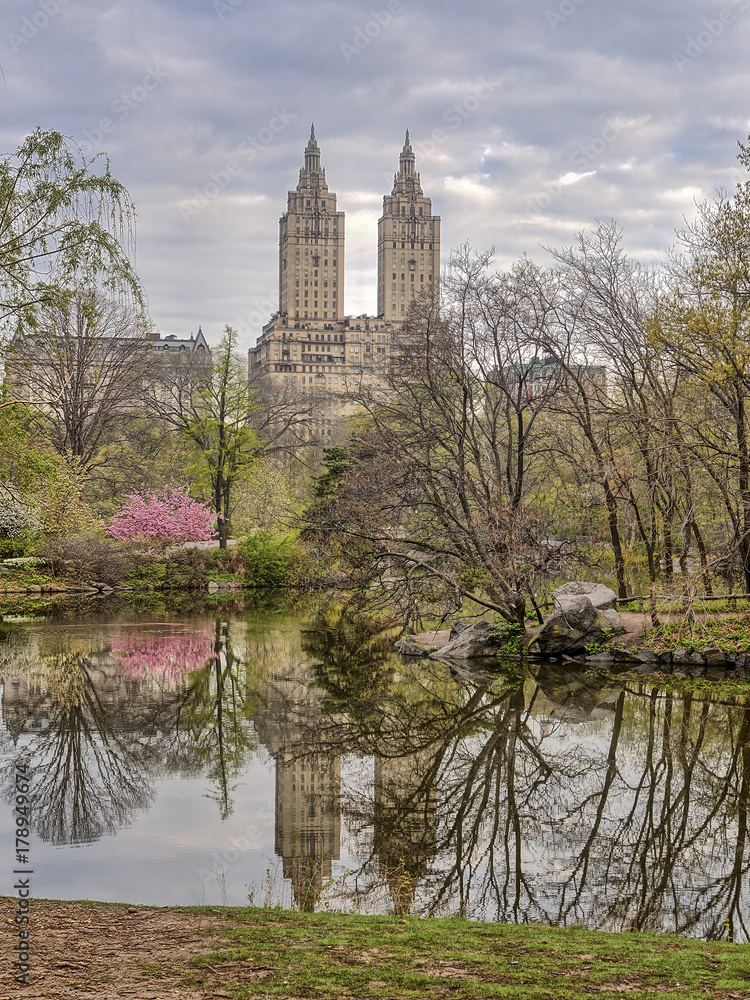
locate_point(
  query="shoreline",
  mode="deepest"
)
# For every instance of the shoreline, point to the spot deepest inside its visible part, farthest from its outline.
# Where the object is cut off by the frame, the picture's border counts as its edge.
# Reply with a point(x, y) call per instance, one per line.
point(83, 949)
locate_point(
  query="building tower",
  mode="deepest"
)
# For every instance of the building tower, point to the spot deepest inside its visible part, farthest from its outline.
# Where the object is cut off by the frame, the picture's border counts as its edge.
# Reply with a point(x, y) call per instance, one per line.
point(311, 246)
point(408, 242)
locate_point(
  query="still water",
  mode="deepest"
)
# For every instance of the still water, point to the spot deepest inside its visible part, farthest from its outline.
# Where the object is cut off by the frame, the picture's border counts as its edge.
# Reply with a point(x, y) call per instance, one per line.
point(296, 760)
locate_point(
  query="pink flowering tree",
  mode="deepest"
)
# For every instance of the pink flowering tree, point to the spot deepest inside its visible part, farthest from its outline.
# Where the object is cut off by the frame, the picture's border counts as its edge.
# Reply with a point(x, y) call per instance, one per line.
point(169, 519)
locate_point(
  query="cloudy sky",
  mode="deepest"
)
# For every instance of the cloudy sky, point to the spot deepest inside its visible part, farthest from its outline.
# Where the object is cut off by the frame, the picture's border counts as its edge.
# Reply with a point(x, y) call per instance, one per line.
point(530, 119)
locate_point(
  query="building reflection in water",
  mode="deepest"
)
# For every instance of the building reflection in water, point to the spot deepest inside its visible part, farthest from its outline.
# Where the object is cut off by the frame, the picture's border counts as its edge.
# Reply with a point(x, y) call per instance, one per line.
point(308, 780)
point(405, 823)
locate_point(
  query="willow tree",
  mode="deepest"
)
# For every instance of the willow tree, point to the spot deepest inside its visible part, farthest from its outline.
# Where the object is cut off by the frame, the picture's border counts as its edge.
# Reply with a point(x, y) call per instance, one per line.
point(65, 224)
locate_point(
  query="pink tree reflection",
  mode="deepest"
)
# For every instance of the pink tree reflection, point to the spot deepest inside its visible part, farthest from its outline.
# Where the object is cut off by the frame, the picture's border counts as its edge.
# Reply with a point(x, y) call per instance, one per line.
point(171, 655)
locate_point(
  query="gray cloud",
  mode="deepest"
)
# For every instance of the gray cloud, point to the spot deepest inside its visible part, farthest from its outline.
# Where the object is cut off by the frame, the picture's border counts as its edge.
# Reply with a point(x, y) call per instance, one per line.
point(588, 110)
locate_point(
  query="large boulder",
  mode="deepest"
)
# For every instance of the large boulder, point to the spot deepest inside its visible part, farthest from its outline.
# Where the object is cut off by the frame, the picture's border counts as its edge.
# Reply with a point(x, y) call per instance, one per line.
point(471, 643)
point(577, 622)
point(600, 596)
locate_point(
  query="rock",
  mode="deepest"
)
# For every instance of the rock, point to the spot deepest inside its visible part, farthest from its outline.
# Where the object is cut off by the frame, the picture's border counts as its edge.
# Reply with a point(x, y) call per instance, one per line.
point(715, 657)
point(213, 587)
point(473, 642)
point(615, 621)
point(600, 596)
point(665, 658)
point(407, 647)
point(425, 642)
point(680, 656)
point(601, 659)
point(575, 625)
point(457, 628)
point(34, 588)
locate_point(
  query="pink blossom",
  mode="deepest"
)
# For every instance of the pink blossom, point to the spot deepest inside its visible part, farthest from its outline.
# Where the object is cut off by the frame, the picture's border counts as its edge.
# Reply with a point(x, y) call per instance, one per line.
point(169, 519)
point(173, 656)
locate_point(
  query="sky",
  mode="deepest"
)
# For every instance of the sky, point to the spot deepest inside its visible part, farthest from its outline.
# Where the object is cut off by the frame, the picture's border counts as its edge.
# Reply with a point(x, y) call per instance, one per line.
point(530, 119)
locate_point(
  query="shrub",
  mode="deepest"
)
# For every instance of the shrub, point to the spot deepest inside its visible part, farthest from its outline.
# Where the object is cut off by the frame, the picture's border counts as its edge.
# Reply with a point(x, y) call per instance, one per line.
point(17, 518)
point(269, 560)
point(13, 548)
point(88, 558)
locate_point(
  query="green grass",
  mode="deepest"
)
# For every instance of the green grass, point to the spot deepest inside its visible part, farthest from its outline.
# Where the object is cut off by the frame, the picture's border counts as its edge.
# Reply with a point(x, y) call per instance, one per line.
point(293, 954)
point(730, 634)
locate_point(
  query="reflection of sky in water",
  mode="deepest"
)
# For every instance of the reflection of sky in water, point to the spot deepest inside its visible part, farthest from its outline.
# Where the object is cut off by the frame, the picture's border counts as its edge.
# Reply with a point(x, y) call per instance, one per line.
point(528, 788)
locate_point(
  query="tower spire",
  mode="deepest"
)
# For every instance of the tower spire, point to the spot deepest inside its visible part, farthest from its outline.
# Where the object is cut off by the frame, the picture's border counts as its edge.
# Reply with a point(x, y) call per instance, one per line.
point(312, 152)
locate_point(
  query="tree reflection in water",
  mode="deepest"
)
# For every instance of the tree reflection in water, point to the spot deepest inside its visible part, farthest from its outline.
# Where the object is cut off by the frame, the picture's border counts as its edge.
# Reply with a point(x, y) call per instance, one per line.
point(100, 726)
point(548, 799)
point(90, 771)
point(215, 715)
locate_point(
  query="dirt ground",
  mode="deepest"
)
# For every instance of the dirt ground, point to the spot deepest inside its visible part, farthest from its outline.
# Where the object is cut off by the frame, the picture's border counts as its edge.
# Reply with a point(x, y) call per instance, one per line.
point(86, 951)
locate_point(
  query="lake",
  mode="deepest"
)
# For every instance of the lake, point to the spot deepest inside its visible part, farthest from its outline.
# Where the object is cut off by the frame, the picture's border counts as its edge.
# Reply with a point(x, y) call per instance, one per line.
point(236, 753)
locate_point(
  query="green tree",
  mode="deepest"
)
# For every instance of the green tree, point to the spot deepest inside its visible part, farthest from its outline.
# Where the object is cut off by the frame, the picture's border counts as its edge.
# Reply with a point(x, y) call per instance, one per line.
point(703, 324)
point(213, 409)
point(63, 225)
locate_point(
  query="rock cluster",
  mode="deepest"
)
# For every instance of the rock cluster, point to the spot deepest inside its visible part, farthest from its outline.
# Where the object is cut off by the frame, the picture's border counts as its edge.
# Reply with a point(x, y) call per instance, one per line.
point(585, 615)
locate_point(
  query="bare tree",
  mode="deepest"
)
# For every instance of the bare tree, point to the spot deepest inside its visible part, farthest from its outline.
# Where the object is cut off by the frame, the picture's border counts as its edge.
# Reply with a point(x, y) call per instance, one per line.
point(445, 493)
point(83, 364)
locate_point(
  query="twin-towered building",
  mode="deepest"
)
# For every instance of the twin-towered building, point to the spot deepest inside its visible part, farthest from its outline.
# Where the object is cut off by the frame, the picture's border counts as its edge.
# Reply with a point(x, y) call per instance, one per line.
point(310, 343)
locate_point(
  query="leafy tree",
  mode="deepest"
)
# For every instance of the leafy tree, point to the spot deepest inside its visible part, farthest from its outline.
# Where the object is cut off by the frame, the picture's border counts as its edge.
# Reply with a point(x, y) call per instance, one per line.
point(63, 225)
point(213, 408)
point(703, 324)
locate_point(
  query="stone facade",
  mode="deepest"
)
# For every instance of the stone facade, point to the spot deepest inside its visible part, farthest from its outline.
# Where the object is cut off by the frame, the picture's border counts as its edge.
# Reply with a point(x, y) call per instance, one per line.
point(310, 345)
point(408, 242)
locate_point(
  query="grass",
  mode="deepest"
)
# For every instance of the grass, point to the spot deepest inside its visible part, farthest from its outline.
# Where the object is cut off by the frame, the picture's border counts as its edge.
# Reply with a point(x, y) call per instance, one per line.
point(676, 605)
point(730, 634)
point(275, 953)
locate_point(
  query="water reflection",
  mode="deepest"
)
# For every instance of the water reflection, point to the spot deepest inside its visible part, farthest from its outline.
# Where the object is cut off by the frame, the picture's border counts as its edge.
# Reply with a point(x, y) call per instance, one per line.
point(542, 797)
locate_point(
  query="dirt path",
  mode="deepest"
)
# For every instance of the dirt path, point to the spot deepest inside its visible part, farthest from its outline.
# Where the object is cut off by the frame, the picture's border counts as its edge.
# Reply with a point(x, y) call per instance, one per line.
point(86, 951)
